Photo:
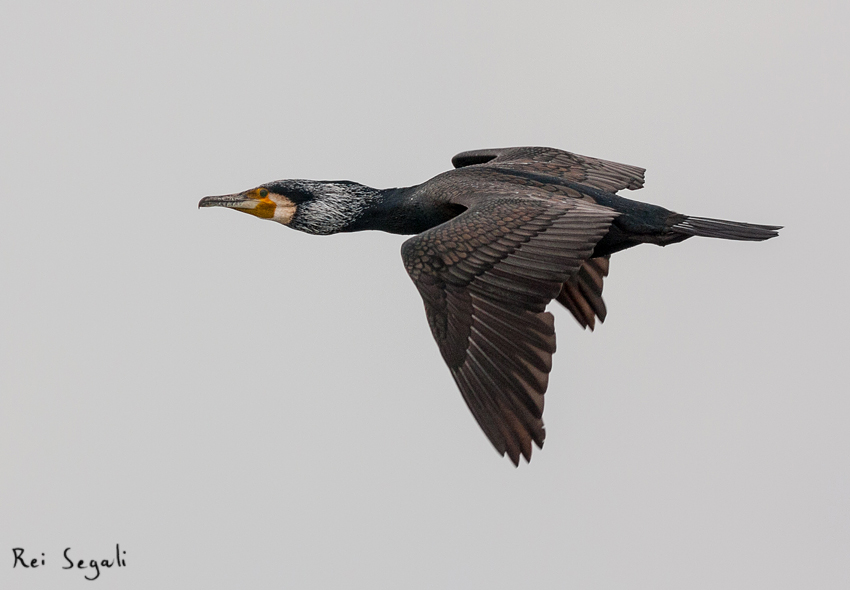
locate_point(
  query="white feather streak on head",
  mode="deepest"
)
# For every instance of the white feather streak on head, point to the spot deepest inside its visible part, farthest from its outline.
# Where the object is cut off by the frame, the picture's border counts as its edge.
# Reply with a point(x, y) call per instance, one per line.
point(334, 206)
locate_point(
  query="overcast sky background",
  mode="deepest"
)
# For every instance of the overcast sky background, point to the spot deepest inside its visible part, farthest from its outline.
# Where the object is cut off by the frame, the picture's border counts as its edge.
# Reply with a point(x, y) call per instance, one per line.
point(240, 405)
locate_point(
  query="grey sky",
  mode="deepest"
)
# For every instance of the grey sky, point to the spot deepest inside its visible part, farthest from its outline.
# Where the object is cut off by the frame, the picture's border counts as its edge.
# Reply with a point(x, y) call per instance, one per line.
point(241, 405)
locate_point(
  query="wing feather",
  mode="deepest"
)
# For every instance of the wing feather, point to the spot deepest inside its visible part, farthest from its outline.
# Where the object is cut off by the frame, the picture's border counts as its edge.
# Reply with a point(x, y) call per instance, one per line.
point(602, 174)
point(486, 277)
point(582, 293)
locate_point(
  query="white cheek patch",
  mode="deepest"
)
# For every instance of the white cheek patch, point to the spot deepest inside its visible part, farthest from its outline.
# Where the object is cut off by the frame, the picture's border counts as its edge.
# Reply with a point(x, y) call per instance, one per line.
point(283, 214)
point(284, 209)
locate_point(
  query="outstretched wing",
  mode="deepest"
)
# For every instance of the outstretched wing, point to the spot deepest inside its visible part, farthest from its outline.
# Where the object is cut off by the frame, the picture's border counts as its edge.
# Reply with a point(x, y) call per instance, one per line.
point(486, 277)
point(602, 174)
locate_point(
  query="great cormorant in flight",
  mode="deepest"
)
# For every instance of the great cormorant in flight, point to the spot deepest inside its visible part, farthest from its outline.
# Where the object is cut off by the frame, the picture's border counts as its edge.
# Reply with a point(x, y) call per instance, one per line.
point(496, 240)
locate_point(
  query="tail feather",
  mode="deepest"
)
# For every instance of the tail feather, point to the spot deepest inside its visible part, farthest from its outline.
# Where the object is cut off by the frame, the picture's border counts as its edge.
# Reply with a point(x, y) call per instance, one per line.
point(727, 230)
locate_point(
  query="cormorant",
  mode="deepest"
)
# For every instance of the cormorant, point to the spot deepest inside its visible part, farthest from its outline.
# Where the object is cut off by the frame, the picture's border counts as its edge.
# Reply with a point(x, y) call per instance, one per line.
point(497, 239)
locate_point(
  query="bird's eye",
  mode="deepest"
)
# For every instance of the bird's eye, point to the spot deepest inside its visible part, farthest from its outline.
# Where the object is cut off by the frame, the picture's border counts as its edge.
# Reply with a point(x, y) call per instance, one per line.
point(264, 193)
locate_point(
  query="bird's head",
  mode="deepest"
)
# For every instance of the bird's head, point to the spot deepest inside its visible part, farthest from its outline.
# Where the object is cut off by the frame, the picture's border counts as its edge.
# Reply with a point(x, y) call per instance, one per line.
point(312, 206)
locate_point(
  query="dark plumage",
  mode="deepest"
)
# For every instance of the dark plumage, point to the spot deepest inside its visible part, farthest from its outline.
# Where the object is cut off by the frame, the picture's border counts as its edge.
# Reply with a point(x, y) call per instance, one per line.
point(497, 239)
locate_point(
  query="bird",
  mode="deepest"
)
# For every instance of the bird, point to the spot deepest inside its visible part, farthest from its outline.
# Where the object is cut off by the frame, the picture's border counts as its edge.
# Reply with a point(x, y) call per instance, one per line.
point(495, 240)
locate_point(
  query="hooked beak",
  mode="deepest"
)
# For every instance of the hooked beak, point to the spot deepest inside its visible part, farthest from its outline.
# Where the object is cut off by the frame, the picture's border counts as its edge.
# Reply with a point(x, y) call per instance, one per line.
point(247, 202)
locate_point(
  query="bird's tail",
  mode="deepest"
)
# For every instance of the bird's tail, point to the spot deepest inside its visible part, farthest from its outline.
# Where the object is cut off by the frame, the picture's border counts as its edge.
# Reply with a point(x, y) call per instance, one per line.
point(727, 230)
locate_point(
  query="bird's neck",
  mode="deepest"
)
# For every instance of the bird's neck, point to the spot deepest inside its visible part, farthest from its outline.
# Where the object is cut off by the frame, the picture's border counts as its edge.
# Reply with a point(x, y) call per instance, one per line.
point(350, 207)
point(402, 211)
